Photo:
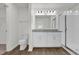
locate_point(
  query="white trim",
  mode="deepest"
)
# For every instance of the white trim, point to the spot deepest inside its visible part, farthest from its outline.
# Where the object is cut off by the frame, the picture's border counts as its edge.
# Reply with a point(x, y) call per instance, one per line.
point(10, 49)
point(68, 50)
point(30, 49)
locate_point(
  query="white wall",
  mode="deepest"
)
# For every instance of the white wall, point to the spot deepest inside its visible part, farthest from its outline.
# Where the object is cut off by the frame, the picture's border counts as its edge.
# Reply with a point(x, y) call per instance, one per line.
point(30, 27)
point(12, 28)
point(62, 28)
point(2, 25)
point(22, 22)
point(76, 7)
point(18, 23)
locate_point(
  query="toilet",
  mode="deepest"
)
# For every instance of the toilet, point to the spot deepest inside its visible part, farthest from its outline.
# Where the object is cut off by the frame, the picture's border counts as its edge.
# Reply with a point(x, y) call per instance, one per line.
point(23, 43)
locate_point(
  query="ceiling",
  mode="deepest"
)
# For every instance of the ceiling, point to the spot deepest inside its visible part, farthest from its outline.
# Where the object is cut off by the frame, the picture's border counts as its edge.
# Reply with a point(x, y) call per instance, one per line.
point(48, 5)
point(21, 5)
point(60, 7)
point(57, 6)
point(2, 5)
point(52, 5)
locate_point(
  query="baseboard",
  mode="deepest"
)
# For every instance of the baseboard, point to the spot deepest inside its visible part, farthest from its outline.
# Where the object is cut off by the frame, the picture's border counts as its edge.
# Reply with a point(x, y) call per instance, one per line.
point(14, 47)
point(69, 51)
point(72, 51)
point(30, 48)
point(47, 47)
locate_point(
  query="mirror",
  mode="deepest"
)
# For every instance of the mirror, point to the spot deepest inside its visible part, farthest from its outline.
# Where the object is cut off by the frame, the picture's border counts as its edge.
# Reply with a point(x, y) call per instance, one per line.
point(45, 22)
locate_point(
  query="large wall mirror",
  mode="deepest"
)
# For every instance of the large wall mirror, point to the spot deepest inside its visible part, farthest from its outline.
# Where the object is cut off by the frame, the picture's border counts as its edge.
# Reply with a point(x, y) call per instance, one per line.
point(45, 22)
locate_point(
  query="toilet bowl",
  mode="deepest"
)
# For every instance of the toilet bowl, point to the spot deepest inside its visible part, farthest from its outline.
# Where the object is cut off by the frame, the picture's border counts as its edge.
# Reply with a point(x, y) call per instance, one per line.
point(23, 43)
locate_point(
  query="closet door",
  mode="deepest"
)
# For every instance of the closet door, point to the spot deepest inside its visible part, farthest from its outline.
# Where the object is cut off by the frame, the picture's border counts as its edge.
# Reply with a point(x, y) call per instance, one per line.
point(73, 32)
point(69, 32)
point(76, 28)
point(76, 34)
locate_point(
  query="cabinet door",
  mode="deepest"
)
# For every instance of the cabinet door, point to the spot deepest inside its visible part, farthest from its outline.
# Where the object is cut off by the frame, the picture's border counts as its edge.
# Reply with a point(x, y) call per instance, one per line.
point(39, 39)
point(50, 40)
point(57, 39)
point(36, 38)
point(53, 40)
point(43, 39)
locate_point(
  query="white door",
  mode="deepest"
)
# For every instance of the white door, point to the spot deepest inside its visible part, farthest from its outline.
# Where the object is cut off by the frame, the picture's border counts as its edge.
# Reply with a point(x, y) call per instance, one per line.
point(69, 33)
point(76, 34)
point(73, 32)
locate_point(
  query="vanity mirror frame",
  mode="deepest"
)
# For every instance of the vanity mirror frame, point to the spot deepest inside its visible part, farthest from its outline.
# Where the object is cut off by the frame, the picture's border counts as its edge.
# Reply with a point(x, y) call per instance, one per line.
point(34, 14)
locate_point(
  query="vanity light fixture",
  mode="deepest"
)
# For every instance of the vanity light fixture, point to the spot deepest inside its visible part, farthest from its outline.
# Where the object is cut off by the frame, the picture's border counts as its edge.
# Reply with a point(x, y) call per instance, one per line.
point(45, 11)
point(38, 11)
point(41, 11)
point(76, 11)
point(70, 12)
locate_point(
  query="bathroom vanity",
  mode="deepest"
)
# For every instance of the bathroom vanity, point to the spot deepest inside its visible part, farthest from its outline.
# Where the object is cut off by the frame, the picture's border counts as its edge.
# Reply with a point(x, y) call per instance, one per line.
point(45, 31)
point(46, 38)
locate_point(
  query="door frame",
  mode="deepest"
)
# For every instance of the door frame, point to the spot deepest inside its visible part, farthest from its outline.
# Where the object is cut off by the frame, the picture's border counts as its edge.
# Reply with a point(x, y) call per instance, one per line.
point(65, 31)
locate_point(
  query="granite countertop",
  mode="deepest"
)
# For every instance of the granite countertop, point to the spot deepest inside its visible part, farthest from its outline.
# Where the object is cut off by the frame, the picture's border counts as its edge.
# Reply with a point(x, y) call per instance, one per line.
point(45, 30)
